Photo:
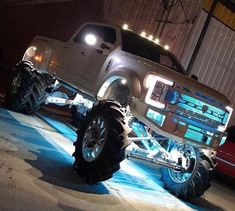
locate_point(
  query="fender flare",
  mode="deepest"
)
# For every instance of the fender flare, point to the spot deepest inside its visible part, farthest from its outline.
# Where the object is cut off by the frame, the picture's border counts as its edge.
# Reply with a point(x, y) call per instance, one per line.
point(132, 81)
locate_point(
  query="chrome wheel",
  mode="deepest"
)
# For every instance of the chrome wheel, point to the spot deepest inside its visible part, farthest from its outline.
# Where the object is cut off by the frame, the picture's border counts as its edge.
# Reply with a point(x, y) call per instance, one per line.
point(188, 158)
point(94, 139)
point(194, 180)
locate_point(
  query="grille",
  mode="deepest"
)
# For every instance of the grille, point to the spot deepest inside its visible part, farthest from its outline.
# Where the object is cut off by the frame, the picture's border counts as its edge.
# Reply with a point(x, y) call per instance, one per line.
point(197, 110)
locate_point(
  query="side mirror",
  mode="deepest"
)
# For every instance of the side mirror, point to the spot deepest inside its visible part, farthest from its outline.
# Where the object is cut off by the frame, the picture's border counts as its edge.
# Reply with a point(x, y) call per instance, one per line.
point(194, 77)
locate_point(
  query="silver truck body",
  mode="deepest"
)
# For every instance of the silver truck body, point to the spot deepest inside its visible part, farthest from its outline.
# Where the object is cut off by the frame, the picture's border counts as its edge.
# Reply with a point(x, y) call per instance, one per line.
point(186, 110)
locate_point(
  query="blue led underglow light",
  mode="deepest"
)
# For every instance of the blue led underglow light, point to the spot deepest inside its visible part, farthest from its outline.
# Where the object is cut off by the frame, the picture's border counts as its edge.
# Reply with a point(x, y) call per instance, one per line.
point(182, 123)
point(191, 134)
point(156, 117)
point(140, 131)
point(195, 128)
point(200, 125)
point(196, 134)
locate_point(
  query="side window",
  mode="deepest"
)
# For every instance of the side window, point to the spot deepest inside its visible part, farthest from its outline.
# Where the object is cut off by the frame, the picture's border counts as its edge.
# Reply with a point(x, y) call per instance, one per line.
point(107, 34)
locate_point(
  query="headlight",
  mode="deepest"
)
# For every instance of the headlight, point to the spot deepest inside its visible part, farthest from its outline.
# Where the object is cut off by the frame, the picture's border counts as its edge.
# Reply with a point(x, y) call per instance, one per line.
point(156, 86)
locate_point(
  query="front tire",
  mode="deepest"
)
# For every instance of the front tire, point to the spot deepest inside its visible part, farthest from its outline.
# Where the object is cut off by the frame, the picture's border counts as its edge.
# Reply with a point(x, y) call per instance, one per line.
point(27, 90)
point(101, 142)
point(193, 182)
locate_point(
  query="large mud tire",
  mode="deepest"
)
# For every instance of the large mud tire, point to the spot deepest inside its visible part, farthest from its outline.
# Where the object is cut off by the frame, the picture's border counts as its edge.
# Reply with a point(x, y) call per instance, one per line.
point(103, 131)
point(195, 185)
point(27, 90)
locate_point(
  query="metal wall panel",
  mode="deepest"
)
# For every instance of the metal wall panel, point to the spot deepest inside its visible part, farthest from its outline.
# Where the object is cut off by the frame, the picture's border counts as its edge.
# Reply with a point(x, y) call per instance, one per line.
point(215, 63)
point(188, 52)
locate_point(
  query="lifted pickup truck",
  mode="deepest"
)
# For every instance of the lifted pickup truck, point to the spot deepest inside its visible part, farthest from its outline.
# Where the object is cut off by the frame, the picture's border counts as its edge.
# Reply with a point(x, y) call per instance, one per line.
point(132, 98)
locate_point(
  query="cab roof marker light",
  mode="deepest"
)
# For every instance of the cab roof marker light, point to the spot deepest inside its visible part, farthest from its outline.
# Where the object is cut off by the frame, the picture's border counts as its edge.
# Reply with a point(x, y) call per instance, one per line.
point(157, 41)
point(125, 26)
point(143, 34)
point(150, 37)
point(166, 47)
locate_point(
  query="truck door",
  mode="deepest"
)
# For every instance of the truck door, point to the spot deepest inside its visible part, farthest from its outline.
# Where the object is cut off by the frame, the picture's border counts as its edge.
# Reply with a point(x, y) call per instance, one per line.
point(83, 58)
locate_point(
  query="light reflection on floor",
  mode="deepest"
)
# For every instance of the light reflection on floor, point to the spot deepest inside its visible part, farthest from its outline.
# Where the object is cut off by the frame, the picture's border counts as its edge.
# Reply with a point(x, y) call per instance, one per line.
point(135, 181)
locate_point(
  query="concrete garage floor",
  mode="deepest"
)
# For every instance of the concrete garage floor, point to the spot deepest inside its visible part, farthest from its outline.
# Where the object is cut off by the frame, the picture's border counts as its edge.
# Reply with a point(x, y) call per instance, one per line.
point(36, 174)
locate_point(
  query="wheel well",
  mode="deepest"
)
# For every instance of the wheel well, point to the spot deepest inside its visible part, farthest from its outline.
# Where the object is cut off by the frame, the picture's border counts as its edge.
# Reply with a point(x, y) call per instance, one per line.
point(115, 89)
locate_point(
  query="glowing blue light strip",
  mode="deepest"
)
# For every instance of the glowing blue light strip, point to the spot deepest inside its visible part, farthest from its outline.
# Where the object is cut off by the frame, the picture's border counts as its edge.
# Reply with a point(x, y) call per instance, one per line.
point(156, 117)
point(187, 107)
point(200, 103)
point(200, 125)
point(194, 135)
point(222, 116)
point(140, 131)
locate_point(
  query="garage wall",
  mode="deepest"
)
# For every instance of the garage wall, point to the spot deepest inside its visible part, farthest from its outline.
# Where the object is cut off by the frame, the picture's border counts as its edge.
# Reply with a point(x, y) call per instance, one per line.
point(215, 61)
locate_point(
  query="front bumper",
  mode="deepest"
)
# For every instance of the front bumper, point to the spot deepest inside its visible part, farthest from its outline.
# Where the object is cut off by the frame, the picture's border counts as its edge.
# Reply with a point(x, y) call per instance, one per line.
point(176, 127)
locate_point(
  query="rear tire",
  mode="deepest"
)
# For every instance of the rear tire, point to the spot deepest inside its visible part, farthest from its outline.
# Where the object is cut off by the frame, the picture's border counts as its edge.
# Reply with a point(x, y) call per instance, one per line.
point(188, 187)
point(27, 90)
point(101, 142)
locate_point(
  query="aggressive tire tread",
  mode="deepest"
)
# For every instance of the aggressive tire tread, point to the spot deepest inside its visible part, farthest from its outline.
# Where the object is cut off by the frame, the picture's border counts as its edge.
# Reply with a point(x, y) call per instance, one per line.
point(197, 184)
point(31, 93)
point(103, 167)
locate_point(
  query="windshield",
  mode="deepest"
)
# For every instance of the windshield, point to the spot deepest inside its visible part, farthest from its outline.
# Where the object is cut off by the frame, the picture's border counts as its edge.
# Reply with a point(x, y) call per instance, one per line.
point(140, 46)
